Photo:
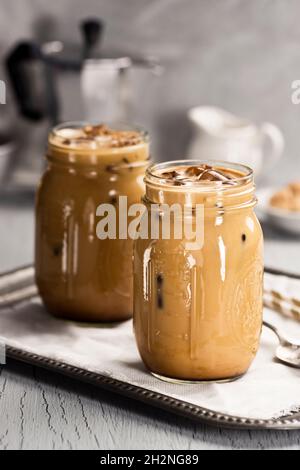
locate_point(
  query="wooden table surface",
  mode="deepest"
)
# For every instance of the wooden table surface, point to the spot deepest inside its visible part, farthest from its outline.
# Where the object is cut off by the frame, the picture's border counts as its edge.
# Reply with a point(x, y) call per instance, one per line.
point(42, 410)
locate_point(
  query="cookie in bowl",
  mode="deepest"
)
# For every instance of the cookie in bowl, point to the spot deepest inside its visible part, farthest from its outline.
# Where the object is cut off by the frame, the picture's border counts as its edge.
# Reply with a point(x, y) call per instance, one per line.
point(287, 198)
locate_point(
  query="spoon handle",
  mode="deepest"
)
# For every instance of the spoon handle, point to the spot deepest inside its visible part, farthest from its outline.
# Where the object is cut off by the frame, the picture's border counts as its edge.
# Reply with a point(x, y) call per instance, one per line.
point(273, 328)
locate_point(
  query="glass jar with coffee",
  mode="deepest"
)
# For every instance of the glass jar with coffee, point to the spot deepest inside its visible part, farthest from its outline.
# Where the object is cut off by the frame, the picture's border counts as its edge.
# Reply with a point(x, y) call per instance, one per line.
point(80, 276)
point(198, 294)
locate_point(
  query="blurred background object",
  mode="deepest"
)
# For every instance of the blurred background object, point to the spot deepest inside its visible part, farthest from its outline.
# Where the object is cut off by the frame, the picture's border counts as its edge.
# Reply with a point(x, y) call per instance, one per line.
point(7, 149)
point(219, 135)
point(287, 221)
point(105, 92)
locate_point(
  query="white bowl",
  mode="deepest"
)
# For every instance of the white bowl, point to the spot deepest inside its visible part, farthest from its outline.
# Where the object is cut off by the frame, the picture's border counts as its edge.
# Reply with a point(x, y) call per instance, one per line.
point(283, 219)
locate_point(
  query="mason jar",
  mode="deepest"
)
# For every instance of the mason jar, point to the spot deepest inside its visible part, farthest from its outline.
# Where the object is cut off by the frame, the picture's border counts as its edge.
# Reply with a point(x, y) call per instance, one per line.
point(79, 275)
point(198, 297)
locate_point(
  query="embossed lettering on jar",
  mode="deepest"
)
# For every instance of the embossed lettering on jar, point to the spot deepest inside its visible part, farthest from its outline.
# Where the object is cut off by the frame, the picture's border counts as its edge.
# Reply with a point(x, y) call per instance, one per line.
point(198, 312)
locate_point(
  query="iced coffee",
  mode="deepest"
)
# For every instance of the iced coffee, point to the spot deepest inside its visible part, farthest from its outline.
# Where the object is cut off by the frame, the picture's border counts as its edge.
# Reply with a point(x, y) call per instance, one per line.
point(198, 311)
point(80, 276)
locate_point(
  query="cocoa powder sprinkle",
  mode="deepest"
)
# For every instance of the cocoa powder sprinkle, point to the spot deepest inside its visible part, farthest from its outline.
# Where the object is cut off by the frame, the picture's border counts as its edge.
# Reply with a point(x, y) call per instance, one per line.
point(103, 136)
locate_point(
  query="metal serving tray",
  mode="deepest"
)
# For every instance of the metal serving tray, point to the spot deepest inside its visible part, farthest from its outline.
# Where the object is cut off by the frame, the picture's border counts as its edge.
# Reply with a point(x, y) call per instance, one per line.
point(18, 285)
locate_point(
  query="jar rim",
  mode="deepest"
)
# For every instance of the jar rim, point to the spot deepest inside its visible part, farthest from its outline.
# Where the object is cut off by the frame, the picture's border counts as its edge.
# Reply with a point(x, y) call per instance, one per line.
point(153, 177)
point(115, 125)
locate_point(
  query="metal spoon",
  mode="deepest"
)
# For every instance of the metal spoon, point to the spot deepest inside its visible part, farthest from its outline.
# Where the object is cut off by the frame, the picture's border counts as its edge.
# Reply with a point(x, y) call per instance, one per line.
point(287, 352)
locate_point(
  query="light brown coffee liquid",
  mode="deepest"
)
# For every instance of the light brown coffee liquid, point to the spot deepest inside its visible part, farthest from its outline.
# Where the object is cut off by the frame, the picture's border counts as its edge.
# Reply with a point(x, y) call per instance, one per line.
point(79, 276)
point(198, 313)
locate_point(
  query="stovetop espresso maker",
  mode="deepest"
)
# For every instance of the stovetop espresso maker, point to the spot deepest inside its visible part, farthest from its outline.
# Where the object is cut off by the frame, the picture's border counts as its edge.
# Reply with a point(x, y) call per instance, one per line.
point(55, 81)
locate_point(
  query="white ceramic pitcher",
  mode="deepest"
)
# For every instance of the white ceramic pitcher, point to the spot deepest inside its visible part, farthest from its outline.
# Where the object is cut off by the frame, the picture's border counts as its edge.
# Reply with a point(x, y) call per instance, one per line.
point(219, 135)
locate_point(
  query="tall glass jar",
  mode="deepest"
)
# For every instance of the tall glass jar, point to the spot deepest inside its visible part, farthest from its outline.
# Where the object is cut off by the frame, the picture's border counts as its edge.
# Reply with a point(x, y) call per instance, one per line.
point(198, 307)
point(78, 275)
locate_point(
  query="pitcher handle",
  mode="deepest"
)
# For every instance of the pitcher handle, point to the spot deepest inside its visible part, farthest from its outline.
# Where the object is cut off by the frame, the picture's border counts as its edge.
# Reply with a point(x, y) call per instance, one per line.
point(276, 139)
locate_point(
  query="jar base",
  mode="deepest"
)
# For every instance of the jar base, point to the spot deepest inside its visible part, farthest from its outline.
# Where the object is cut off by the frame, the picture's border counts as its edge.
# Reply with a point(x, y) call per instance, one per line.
point(82, 316)
point(196, 381)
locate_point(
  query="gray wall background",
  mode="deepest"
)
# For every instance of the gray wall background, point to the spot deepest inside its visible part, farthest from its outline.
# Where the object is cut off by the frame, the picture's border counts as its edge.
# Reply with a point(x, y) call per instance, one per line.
point(238, 54)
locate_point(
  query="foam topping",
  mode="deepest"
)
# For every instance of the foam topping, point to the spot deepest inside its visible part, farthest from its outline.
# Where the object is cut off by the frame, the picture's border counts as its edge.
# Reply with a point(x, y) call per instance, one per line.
point(96, 136)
